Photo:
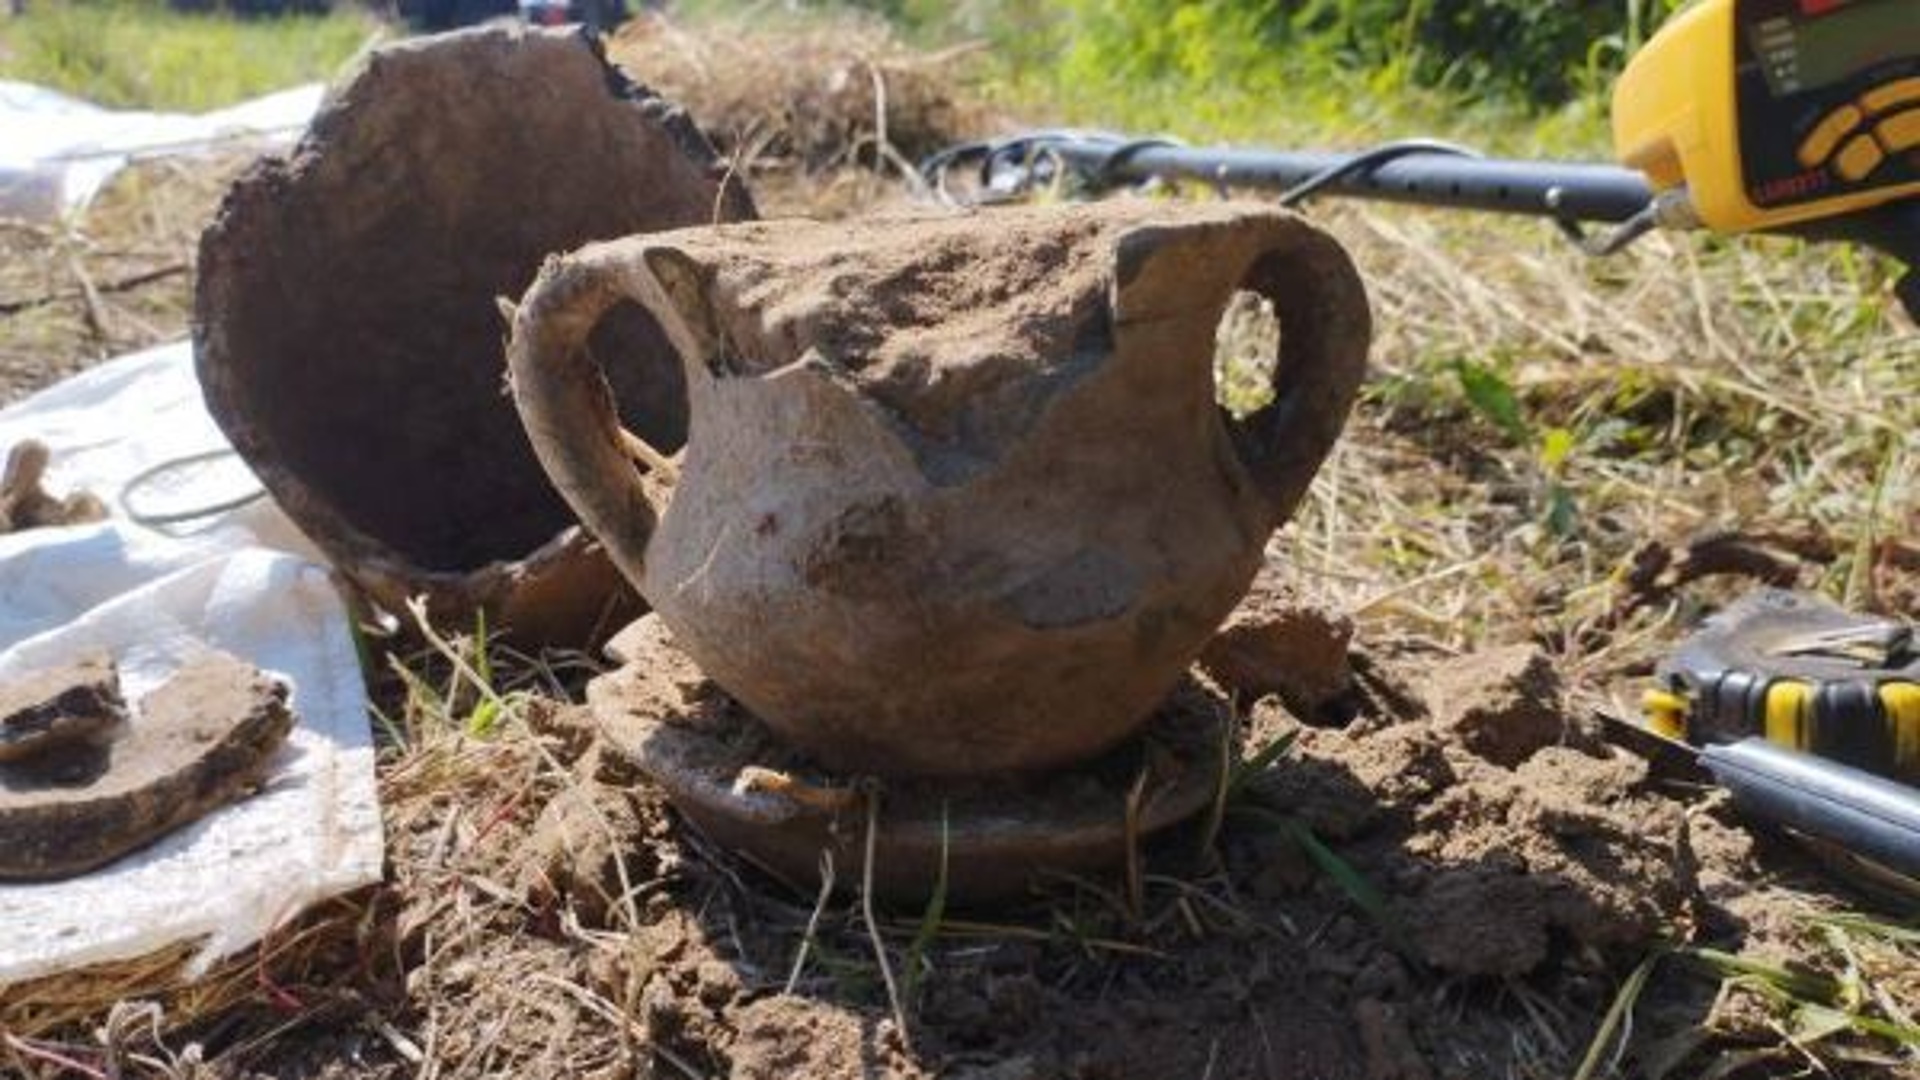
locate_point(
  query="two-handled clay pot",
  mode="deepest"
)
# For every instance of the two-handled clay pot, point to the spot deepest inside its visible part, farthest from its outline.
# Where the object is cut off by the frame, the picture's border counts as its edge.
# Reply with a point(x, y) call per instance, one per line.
point(957, 497)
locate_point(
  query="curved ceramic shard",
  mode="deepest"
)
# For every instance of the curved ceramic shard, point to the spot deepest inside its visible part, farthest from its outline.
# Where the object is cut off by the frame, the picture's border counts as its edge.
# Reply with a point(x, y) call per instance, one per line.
point(45, 712)
point(348, 315)
point(201, 740)
point(996, 836)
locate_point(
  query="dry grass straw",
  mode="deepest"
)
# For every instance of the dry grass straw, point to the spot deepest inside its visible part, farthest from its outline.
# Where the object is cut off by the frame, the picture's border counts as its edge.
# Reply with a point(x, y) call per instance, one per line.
point(503, 975)
point(826, 113)
point(1681, 388)
point(297, 970)
point(116, 277)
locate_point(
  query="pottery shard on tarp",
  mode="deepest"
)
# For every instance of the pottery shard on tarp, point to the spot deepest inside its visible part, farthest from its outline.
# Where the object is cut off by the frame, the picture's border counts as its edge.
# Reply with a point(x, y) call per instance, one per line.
point(348, 322)
point(202, 739)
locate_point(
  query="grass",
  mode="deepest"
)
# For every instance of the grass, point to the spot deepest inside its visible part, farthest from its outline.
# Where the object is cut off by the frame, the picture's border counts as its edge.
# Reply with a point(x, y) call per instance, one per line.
point(138, 54)
point(1853, 975)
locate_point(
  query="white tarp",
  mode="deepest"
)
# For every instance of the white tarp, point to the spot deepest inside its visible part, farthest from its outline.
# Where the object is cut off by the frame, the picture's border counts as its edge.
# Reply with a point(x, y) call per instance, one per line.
point(244, 582)
point(57, 152)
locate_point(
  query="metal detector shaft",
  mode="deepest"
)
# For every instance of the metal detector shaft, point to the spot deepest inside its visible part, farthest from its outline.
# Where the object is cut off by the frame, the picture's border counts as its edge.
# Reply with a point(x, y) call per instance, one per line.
point(1592, 193)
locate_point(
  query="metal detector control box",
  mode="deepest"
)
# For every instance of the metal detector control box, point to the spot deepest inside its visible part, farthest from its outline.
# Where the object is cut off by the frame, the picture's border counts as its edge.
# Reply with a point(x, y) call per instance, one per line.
point(1774, 113)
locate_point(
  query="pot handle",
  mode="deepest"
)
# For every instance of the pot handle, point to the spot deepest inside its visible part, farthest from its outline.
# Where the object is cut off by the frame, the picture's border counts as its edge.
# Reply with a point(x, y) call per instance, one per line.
point(1171, 277)
point(613, 480)
point(1326, 328)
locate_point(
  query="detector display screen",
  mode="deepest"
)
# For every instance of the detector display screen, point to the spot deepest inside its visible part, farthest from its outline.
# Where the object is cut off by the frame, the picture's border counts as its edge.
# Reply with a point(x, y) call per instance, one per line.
point(1832, 42)
point(1828, 98)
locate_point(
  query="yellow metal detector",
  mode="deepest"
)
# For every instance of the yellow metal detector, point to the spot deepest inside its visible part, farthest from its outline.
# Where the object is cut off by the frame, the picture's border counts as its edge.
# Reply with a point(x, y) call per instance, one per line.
point(1790, 116)
point(1766, 114)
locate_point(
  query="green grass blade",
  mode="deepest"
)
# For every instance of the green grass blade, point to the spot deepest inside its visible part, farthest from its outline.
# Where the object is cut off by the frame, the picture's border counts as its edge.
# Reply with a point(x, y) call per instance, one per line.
point(1617, 1014)
point(1798, 985)
point(1358, 889)
point(1260, 762)
point(931, 919)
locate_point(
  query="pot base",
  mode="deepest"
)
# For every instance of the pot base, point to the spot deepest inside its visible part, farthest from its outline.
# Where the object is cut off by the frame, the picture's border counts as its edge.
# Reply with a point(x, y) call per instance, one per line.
point(727, 774)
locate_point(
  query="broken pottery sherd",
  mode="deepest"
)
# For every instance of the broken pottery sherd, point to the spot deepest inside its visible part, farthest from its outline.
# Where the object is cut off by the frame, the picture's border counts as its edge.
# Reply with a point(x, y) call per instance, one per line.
point(986, 838)
point(75, 705)
point(348, 321)
point(201, 740)
point(958, 498)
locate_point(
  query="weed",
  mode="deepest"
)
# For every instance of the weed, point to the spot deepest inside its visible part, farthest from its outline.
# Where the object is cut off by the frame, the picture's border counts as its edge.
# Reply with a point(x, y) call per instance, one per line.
point(1236, 800)
point(1855, 975)
point(1616, 1025)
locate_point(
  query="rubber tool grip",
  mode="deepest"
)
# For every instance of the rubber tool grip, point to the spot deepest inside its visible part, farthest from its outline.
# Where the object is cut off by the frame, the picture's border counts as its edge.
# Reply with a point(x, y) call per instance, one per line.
point(1856, 810)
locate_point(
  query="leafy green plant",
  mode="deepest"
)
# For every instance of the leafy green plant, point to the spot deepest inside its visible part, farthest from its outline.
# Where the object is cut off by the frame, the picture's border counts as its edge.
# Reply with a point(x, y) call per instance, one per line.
point(1542, 53)
point(1493, 397)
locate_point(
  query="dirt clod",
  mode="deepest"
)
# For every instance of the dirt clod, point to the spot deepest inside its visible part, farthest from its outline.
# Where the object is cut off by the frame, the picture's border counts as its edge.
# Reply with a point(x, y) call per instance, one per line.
point(1277, 643)
point(785, 1037)
point(1564, 846)
point(1345, 784)
point(585, 850)
point(1502, 704)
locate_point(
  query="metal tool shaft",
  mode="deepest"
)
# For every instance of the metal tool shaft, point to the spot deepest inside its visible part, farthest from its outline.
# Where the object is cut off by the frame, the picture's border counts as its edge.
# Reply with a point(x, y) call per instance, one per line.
point(1577, 192)
point(1856, 810)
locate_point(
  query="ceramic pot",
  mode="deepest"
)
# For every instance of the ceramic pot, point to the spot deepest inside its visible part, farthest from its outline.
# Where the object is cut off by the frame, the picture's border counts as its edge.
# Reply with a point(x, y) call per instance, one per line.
point(957, 496)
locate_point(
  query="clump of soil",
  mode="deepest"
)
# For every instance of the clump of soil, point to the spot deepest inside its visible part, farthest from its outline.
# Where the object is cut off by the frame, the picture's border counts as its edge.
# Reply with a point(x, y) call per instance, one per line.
point(1489, 866)
point(1503, 704)
point(1276, 642)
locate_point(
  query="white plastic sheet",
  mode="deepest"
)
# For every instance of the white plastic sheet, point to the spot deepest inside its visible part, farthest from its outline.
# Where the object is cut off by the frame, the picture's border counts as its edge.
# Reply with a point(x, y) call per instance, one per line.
point(245, 583)
point(57, 152)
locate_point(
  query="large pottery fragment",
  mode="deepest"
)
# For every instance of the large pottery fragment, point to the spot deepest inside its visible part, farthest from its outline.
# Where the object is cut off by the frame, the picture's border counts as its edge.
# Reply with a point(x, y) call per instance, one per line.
point(349, 326)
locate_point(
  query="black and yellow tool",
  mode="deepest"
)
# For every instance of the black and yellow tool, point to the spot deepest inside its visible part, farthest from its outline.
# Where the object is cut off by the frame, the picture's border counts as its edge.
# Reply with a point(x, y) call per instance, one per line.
point(1840, 809)
point(1802, 674)
point(1808, 715)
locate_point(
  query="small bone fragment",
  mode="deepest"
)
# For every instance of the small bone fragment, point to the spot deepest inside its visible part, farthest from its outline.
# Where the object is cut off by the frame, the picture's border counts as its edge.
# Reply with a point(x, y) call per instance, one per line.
point(753, 779)
point(25, 504)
